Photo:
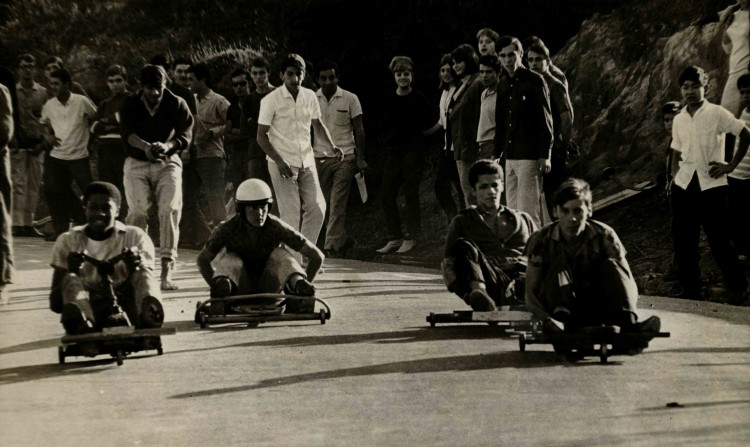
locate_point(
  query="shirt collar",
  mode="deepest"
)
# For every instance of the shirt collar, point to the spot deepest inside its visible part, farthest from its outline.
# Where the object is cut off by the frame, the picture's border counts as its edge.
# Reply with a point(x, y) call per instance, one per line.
point(119, 227)
point(556, 233)
point(337, 94)
point(209, 94)
point(152, 109)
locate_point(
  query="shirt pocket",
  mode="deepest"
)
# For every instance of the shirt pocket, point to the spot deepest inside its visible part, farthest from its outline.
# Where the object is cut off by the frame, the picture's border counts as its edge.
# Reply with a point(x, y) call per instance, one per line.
point(341, 118)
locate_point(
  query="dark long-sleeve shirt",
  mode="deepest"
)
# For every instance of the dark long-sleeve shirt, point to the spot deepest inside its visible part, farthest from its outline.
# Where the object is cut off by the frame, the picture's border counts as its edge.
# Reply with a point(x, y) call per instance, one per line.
point(106, 115)
point(171, 121)
point(406, 118)
point(464, 119)
point(523, 117)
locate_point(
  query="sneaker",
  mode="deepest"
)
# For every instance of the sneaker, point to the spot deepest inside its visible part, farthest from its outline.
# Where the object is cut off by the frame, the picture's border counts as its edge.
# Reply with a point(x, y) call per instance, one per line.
point(480, 301)
point(407, 246)
point(221, 287)
point(152, 313)
point(74, 321)
point(304, 287)
point(650, 324)
point(391, 246)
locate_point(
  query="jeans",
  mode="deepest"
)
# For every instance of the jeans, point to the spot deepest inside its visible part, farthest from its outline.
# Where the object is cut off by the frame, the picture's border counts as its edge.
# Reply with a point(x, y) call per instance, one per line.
point(166, 180)
point(300, 194)
point(211, 171)
point(26, 171)
point(446, 180)
point(258, 168)
point(402, 170)
point(523, 187)
point(64, 204)
point(694, 209)
point(471, 265)
point(336, 182)
point(463, 174)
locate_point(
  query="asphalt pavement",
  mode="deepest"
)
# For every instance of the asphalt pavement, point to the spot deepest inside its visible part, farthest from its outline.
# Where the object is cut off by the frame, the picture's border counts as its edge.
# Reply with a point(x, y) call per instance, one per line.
point(376, 374)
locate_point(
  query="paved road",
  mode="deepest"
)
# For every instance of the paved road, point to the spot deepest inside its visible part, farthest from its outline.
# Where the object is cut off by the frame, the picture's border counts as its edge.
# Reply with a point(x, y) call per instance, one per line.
point(375, 374)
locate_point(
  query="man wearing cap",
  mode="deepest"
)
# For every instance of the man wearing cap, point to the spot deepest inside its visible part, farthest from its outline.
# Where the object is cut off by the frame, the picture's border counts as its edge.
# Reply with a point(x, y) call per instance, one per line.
point(286, 116)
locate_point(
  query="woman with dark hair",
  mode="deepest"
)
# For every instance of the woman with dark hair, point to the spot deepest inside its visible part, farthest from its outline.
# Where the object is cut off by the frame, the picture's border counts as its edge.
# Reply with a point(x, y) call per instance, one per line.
point(463, 114)
point(735, 24)
point(447, 175)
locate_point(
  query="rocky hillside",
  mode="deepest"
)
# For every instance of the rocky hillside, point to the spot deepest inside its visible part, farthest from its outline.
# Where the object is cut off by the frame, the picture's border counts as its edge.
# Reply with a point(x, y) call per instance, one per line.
point(622, 67)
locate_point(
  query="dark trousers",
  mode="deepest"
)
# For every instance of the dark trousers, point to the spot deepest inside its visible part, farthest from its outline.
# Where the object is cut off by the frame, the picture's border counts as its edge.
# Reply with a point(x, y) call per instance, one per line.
point(111, 161)
point(402, 171)
point(194, 231)
point(471, 265)
point(6, 237)
point(65, 204)
point(692, 209)
point(446, 180)
point(739, 210)
point(553, 179)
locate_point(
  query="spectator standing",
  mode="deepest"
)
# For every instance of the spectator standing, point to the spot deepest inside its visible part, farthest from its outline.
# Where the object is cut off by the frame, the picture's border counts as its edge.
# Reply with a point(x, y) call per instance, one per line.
point(699, 189)
point(286, 117)
point(54, 63)
point(735, 25)
point(562, 120)
point(486, 40)
point(66, 117)
point(26, 158)
point(210, 123)
point(110, 148)
point(739, 183)
point(156, 125)
point(6, 236)
point(463, 114)
point(523, 132)
point(257, 166)
point(447, 178)
point(489, 74)
point(236, 143)
point(341, 113)
point(408, 118)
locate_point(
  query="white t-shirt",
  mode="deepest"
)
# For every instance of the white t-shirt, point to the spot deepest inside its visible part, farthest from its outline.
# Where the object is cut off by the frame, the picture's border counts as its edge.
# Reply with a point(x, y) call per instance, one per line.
point(70, 122)
point(290, 121)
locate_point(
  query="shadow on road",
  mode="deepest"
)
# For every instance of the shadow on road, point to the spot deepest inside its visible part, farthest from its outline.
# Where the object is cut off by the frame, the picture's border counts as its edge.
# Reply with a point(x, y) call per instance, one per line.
point(32, 373)
point(431, 365)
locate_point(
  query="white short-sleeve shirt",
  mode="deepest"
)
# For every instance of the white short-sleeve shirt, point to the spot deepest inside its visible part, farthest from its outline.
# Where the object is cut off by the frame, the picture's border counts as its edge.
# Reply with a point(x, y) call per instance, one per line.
point(700, 140)
point(70, 122)
point(289, 121)
point(337, 115)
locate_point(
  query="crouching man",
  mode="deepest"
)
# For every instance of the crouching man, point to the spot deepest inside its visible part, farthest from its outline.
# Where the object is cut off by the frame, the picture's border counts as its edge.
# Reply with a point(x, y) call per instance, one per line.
point(80, 294)
point(245, 254)
point(484, 252)
point(577, 272)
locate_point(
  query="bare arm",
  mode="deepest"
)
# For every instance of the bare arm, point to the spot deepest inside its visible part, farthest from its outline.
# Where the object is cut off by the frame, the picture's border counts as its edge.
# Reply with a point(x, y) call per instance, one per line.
point(319, 127)
point(55, 293)
point(533, 288)
point(718, 168)
point(265, 144)
point(314, 259)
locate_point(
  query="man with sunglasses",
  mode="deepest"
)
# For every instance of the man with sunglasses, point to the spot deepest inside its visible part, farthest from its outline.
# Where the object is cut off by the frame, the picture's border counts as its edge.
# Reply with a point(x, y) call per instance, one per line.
point(235, 142)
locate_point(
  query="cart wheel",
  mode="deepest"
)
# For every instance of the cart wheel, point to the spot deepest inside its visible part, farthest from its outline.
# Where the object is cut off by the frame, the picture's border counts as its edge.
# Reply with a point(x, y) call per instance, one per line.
point(119, 356)
point(252, 324)
point(203, 319)
point(61, 355)
point(522, 343)
point(431, 319)
point(322, 316)
point(603, 353)
point(159, 350)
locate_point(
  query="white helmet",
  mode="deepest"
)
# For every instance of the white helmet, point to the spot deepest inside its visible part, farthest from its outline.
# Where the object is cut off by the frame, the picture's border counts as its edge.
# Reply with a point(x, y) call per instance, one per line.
point(253, 191)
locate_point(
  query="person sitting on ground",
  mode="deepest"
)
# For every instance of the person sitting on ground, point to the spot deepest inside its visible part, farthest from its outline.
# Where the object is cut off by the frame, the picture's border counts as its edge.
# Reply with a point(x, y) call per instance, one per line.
point(484, 262)
point(245, 254)
point(577, 272)
point(80, 294)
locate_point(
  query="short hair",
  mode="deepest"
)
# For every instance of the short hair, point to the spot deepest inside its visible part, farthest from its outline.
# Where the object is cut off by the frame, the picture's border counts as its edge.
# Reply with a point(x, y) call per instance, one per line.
point(401, 63)
point(28, 58)
point(693, 73)
point(540, 48)
point(260, 62)
point(672, 107)
point(239, 71)
point(328, 65)
point(488, 32)
point(292, 60)
point(572, 189)
point(116, 70)
point(201, 72)
point(743, 81)
point(507, 41)
point(104, 188)
point(484, 167)
point(490, 60)
point(182, 61)
point(161, 60)
point(153, 75)
point(63, 75)
point(465, 53)
point(53, 60)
